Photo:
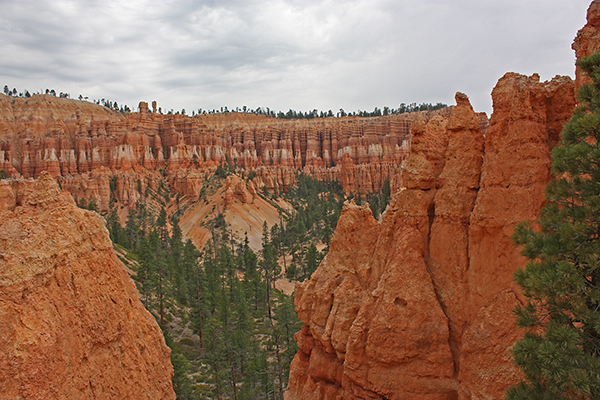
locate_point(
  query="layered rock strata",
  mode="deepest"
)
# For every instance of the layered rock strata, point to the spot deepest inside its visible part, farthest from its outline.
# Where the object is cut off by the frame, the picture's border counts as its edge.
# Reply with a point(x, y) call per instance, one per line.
point(84, 146)
point(72, 323)
point(420, 305)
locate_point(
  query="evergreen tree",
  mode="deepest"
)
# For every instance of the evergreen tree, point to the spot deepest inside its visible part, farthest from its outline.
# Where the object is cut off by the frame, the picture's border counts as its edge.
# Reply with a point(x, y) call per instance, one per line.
point(181, 367)
point(560, 352)
point(312, 260)
point(385, 194)
point(181, 267)
point(268, 262)
point(132, 231)
point(287, 325)
point(249, 263)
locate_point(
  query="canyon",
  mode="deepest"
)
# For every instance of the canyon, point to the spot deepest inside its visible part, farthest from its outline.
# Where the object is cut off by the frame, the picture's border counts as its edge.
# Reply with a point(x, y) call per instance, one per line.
point(120, 160)
point(85, 145)
point(415, 305)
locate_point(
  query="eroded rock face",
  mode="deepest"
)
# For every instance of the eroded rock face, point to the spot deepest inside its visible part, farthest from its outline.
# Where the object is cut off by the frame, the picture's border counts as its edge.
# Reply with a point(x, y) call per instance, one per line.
point(419, 305)
point(72, 324)
point(587, 40)
point(84, 144)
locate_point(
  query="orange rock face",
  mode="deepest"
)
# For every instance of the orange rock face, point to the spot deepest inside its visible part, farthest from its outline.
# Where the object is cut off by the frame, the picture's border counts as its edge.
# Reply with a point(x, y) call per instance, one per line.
point(419, 305)
point(587, 40)
point(72, 324)
point(74, 140)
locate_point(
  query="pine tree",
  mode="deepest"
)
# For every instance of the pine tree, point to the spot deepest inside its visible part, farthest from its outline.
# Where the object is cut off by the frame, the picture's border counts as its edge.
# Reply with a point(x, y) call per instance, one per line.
point(311, 261)
point(560, 352)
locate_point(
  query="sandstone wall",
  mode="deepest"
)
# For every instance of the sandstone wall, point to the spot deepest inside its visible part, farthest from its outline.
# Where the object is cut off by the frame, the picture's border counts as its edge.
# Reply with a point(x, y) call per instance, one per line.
point(85, 145)
point(72, 324)
point(419, 306)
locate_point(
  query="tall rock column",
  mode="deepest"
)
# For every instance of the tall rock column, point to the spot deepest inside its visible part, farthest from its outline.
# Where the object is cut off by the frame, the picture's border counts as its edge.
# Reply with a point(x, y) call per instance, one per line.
point(458, 185)
point(373, 326)
point(515, 172)
point(424, 311)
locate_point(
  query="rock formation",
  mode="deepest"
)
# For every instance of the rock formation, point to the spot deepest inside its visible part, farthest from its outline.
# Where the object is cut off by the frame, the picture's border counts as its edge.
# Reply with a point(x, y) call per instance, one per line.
point(239, 205)
point(84, 146)
point(420, 305)
point(587, 40)
point(72, 323)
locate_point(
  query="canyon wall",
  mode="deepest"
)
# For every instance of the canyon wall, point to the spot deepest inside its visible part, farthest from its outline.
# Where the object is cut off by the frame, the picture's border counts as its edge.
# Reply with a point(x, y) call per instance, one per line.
point(86, 147)
point(72, 323)
point(420, 305)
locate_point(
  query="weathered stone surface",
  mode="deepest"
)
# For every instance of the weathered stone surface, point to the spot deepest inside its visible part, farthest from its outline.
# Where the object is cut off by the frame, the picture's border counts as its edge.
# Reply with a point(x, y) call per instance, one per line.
point(515, 172)
point(72, 324)
point(454, 200)
point(372, 302)
point(587, 40)
point(71, 138)
point(419, 306)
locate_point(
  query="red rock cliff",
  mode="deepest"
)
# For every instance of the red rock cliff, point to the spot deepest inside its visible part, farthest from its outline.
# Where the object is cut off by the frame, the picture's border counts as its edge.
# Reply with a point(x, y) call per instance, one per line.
point(84, 146)
point(72, 324)
point(419, 305)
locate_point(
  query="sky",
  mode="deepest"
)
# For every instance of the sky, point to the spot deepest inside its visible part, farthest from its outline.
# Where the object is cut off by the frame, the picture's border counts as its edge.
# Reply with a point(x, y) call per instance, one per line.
point(284, 54)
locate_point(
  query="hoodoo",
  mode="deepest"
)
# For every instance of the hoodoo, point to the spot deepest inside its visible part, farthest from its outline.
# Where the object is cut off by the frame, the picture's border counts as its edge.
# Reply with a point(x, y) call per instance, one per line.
point(84, 145)
point(420, 305)
point(416, 303)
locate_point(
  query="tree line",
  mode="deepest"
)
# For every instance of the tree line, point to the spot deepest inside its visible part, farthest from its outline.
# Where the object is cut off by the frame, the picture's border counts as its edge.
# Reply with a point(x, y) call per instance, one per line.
point(266, 111)
point(293, 114)
point(14, 93)
point(113, 105)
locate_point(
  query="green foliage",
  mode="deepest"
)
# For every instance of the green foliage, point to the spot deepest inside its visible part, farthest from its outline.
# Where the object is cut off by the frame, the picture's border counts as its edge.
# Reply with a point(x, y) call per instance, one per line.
point(312, 259)
point(113, 184)
point(560, 354)
point(3, 174)
point(225, 295)
point(317, 208)
point(379, 201)
point(87, 205)
point(221, 172)
point(182, 384)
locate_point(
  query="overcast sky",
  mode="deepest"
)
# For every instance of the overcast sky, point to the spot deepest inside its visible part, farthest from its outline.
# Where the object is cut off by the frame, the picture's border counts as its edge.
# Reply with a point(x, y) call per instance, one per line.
point(284, 54)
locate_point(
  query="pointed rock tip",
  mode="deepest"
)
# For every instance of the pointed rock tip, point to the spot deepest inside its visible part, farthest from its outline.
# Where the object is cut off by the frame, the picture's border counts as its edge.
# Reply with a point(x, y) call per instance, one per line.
point(461, 99)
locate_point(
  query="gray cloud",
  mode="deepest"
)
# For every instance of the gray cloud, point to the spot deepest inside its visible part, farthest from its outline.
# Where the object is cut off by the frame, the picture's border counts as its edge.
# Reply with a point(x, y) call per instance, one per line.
point(284, 54)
